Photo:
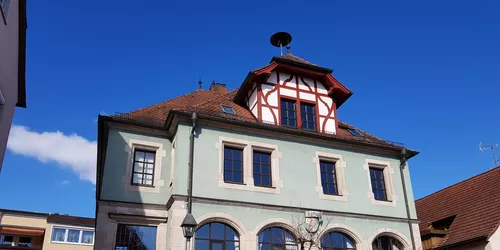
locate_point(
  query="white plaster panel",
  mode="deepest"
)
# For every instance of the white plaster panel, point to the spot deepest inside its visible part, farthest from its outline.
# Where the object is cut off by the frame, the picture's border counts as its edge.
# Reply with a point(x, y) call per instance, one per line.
point(266, 88)
point(494, 241)
point(253, 99)
point(321, 120)
point(330, 126)
point(309, 82)
point(276, 112)
point(323, 109)
point(272, 99)
point(321, 88)
point(332, 115)
point(307, 96)
point(255, 111)
point(273, 78)
point(292, 83)
point(267, 116)
point(284, 77)
point(328, 100)
point(288, 92)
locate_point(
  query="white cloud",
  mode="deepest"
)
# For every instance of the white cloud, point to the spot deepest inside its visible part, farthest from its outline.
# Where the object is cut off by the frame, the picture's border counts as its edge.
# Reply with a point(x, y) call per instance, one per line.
point(66, 182)
point(69, 151)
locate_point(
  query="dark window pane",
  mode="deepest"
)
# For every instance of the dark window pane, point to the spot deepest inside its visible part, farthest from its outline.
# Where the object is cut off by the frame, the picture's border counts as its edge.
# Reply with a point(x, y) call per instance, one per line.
point(201, 244)
point(266, 169)
point(256, 157)
point(217, 231)
point(237, 154)
point(231, 234)
point(203, 232)
point(237, 166)
point(265, 236)
point(266, 158)
point(231, 245)
point(336, 239)
point(135, 237)
point(237, 177)
point(266, 180)
point(277, 235)
point(228, 176)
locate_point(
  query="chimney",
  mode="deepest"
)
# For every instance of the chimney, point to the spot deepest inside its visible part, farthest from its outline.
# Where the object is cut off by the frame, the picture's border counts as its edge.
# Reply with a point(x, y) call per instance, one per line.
point(218, 87)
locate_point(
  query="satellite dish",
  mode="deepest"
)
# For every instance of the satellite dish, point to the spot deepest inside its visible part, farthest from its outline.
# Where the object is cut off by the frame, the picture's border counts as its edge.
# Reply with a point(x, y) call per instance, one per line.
point(280, 39)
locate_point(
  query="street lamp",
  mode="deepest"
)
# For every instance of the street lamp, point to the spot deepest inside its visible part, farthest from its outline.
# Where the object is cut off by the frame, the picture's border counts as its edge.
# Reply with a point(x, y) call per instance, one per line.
point(188, 225)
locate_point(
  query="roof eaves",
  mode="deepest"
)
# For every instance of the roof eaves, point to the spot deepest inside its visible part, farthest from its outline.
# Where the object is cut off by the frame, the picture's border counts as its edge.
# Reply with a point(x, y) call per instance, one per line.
point(300, 64)
point(21, 67)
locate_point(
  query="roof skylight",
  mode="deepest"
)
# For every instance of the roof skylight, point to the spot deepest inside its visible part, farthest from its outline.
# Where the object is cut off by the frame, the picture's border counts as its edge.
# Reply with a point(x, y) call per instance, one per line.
point(228, 110)
point(354, 132)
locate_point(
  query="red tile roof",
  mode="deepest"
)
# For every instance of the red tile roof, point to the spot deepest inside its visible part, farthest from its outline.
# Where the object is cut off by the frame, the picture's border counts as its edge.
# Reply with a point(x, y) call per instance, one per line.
point(475, 202)
point(209, 103)
point(295, 58)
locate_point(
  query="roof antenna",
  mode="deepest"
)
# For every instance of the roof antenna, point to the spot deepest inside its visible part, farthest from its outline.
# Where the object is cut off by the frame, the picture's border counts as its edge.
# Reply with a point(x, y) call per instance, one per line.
point(492, 148)
point(199, 84)
point(280, 39)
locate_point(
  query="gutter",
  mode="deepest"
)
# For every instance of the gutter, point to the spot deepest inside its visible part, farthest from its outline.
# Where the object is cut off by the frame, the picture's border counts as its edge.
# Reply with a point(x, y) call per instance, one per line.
point(194, 117)
point(403, 161)
point(261, 126)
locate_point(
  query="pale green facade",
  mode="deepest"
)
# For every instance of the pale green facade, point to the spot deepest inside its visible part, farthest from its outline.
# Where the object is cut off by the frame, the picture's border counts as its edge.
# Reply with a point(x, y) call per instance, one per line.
point(356, 215)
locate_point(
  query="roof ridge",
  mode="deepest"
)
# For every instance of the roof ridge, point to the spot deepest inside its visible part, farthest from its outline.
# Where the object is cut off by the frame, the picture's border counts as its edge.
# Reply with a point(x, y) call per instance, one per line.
point(468, 179)
point(166, 101)
point(349, 126)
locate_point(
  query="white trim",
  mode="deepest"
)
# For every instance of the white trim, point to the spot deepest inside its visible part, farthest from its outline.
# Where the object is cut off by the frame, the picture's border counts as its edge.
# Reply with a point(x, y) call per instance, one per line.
point(67, 228)
point(159, 155)
point(248, 181)
point(340, 166)
point(389, 185)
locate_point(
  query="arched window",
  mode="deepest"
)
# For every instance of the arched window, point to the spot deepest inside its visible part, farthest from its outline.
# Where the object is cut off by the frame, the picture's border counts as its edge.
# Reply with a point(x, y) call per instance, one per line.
point(336, 241)
point(386, 243)
point(277, 238)
point(216, 236)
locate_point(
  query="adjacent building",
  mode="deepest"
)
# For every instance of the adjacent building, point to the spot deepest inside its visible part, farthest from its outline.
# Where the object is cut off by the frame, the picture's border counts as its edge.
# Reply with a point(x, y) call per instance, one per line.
point(12, 64)
point(32, 230)
point(273, 168)
point(464, 216)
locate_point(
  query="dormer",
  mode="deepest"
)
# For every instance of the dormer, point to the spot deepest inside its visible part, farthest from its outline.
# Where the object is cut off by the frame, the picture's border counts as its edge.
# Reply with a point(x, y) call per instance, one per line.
point(295, 93)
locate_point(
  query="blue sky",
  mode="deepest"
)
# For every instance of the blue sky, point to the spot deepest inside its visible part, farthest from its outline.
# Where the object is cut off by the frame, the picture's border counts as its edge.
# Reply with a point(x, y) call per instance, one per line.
point(426, 73)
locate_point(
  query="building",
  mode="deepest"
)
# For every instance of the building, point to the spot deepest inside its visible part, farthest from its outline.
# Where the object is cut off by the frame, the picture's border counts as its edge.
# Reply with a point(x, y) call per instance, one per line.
point(32, 230)
point(464, 216)
point(12, 64)
point(258, 170)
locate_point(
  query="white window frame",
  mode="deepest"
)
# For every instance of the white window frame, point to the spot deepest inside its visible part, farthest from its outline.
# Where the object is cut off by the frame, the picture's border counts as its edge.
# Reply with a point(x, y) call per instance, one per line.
point(81, 229)
point(388, 172)
point(248, 182)
point(340, 166)
point(160, 153)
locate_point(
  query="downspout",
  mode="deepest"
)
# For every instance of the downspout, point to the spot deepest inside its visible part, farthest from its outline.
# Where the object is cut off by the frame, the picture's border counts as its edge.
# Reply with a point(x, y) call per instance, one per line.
point(401, 168)
point(194, 117)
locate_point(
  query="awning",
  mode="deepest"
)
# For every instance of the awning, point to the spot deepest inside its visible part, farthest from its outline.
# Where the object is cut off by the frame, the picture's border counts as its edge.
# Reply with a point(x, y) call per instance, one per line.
point(22, 231)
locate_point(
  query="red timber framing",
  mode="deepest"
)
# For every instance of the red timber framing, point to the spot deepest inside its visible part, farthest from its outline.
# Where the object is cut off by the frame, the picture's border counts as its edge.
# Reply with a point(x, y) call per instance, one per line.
point(336, 91)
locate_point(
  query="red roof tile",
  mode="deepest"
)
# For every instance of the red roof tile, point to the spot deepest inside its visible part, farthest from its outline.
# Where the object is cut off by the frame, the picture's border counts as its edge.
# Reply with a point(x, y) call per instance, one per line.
point(295, 58)
point(209, 102)
point(475, 202)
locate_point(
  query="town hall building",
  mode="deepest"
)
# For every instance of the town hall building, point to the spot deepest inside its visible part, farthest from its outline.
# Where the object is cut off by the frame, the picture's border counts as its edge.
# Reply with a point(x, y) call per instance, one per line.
point(269, 165)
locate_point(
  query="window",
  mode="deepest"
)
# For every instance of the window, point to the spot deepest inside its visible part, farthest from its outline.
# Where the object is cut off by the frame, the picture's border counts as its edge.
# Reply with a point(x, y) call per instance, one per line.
point(276, 238)
point(262, 169)
point(336, 241)
point(144, 165)
point(386, 243)
point(228, 110)
point(328, 177)
point(216, 236)
point(87, 237)
point(354, 132)
point(4, 9)
point(288, 113)
point(6, 240)
point(233, 165)
point(308, 117)
point(135, 237)
point(24, 242)
point(72, 236)
point(378, 184)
